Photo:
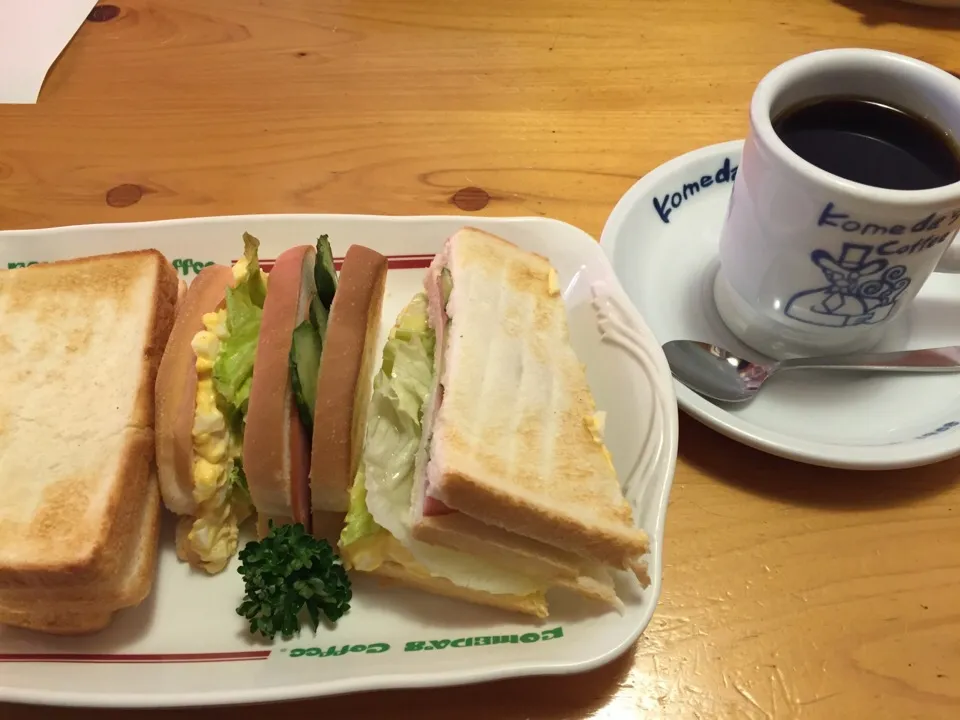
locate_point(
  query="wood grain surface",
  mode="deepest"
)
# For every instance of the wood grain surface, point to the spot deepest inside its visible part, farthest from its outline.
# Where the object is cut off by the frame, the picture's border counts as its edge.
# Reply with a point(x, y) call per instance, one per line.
point(790, 591)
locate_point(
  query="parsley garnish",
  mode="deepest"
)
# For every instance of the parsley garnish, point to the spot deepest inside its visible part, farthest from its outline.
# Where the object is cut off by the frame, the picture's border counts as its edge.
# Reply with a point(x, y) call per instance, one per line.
point(285, 572)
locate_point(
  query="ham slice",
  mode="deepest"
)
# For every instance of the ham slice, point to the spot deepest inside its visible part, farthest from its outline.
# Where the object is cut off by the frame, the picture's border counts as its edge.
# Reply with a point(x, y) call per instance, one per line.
point(438, 319)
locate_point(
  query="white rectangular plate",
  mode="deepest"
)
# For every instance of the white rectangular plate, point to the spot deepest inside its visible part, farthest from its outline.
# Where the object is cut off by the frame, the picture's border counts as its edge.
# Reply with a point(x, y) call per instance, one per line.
point(392, 637)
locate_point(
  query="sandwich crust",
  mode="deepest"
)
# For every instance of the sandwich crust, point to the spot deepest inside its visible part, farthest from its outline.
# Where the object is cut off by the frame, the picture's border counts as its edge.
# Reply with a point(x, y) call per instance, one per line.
point(344, 382)
point(581, 532)
point(328, 526)
point(50, 613)
point(275, 443)
point(91, 329)
point(462, 532)
point(176, 389)
point(558, 568)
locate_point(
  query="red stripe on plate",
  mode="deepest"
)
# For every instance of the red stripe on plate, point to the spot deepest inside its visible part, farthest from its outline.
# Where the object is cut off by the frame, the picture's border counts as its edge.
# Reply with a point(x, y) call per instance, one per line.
point(403, 262)
point(130, 658)
point(394, 262)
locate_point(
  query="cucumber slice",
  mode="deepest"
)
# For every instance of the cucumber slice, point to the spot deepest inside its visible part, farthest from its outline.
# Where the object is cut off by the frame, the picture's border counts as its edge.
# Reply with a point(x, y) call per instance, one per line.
point(324, 272)
point(446, 285)
point(305, 351)
point(318, 317)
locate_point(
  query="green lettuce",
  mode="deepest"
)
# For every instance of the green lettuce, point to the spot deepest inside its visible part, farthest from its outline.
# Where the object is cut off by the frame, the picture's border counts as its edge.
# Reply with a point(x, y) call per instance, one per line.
point(359, 523)
point(238, 483)
point(380, 497)
point(233, 368)
point(395, 416)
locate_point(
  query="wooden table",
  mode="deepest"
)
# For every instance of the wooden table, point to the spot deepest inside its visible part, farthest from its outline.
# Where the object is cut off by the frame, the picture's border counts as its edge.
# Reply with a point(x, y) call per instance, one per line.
point(790, 590)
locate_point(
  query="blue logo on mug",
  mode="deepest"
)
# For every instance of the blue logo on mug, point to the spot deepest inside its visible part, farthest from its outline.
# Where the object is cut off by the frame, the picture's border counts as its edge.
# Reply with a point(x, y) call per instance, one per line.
point(858, 291)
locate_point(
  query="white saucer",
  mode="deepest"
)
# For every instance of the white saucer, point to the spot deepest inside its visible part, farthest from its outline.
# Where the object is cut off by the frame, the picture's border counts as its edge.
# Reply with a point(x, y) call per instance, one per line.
point(833, 419)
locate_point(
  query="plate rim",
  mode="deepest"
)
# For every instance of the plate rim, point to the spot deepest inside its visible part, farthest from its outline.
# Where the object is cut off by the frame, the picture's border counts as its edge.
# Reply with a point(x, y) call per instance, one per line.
point(380, 681)
point(464, 219)
point(906, 454)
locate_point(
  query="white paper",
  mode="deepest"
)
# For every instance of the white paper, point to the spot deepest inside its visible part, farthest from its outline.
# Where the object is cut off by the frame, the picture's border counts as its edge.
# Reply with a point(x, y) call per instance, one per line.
point(32, 34)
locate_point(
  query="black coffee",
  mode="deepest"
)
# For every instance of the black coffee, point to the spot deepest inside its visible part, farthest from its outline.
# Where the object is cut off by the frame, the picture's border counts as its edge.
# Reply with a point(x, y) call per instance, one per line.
point(871, 143)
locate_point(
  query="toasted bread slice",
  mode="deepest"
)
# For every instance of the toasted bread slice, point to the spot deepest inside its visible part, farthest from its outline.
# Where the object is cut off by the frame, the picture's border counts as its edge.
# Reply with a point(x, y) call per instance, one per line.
point(514, 442)
point(344, 382)
point(124, 535)
point(462, 532)
point(51, 614)
point(80, 342)
point(558, 568)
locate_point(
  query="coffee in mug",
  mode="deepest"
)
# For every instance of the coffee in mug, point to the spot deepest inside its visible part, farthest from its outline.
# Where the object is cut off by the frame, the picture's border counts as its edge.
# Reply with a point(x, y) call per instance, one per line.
point(870, 142)
point(847, 199)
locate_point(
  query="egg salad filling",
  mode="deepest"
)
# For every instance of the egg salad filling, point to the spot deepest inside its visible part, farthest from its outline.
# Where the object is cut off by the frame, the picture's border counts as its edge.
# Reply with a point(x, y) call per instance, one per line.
point(595, 425)
point(224, 351)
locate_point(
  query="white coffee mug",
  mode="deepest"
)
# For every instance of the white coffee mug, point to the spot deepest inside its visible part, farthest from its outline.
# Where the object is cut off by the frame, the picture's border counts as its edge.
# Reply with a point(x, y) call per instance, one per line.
point(812, 263)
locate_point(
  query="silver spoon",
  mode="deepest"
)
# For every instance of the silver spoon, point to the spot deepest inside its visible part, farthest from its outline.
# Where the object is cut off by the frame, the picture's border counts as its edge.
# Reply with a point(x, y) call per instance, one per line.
point(720, 375)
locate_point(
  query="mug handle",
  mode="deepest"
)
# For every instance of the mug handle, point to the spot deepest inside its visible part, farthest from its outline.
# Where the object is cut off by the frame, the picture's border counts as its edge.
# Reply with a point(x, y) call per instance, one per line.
point(950, 261)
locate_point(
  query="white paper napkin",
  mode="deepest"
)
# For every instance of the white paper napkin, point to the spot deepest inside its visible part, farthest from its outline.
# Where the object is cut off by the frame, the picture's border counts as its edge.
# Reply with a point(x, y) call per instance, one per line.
point(32, 34)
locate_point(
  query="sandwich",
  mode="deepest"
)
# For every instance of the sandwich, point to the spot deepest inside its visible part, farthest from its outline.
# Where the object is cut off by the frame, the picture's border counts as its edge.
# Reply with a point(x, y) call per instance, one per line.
point(79, 502)
point(239, 389)
point(343, 387)
point(484, 475)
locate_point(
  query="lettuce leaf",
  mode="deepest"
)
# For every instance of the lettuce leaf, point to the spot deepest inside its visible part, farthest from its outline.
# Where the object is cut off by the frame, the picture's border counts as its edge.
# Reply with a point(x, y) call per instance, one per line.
point(396, 411)
point(233, 368)
point(359, 523)
point(395, 415)
point(252, 279)
point(240, 491)
point(381, 494)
